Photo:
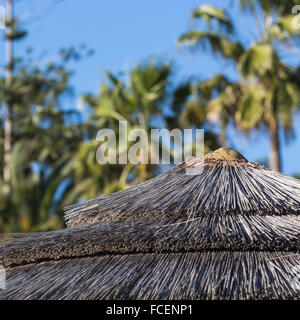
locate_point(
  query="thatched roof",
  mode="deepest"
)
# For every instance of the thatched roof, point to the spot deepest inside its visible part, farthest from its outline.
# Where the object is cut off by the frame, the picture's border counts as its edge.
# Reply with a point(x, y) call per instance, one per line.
point(230, 231)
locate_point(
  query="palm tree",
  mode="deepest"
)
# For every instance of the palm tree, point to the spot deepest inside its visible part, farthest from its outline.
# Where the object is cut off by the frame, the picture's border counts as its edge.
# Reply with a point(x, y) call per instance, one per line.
point(38, 192)
point(267, 91)
point(145, 101)
point(190, 112)
point(7, 145)
point(139, 102)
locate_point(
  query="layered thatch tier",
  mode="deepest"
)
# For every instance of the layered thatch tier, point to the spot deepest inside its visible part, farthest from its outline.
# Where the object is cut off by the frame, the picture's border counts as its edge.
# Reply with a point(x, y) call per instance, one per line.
point(231, 230)
point(268, 233)
point(215, 187)
point(189, 275)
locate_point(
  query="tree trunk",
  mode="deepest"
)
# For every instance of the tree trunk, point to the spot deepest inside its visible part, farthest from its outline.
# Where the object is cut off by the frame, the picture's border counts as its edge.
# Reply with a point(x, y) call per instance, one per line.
point(9, 112)
point(275, 158)
point(223, 137)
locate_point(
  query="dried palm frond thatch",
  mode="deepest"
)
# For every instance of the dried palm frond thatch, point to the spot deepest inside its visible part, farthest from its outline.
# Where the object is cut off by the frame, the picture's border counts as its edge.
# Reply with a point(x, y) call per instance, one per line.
point(230, 231)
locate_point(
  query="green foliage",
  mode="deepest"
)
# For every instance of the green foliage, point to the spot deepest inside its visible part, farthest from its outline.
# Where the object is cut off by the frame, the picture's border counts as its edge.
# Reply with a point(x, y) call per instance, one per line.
point(267, 92)
point(210, 14)
point(138, 102)
point(297, 175)
point(257, 60)
point(31, 203)
point(222, 45)
point(53, 159)
point(44, 139)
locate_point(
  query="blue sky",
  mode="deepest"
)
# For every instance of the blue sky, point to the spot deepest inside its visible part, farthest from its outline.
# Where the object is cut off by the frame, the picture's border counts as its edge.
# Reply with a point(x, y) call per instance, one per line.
point(123, 33)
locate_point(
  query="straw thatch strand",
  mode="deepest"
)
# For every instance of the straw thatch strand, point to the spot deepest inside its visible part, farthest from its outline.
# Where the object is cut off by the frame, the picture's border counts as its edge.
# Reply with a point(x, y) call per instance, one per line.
point(192, 275)
point(215, 190)
point(268, 233)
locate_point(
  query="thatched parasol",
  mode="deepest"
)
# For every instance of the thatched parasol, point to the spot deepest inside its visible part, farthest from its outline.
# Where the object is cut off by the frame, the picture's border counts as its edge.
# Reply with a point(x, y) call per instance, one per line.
point(231, 231)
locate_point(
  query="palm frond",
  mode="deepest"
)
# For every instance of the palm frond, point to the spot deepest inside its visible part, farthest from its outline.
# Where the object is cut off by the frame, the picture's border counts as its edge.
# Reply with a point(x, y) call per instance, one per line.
point(217, 43)
point(210, 14)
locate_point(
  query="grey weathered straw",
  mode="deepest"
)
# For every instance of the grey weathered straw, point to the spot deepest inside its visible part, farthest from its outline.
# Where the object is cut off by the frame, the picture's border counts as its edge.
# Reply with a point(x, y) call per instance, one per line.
point(229, 232)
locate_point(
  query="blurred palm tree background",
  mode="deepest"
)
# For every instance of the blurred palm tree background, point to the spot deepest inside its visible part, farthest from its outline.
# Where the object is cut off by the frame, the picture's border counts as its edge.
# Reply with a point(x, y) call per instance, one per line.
point(48, 152)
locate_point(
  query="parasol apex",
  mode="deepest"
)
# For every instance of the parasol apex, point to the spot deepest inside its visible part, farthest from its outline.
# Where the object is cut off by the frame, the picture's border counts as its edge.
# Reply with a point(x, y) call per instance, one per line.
point(225, 154)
